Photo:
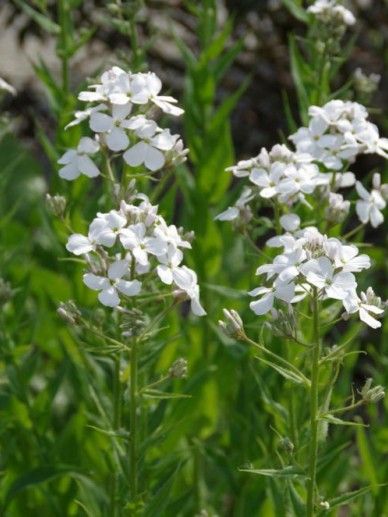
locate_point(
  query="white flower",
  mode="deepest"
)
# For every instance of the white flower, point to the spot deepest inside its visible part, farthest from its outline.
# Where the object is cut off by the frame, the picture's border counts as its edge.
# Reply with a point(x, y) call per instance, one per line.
point(113, 283)
point(111, 224)
point(345, 256)
point(369, 207)
point(268, 181)
point(186, 279)
point(280, 291)
point(154, 141)
point(284, 266)
point(145, 87)
point(112, 127)
point(115, 87)
point(170, 235)
point(239, 209)
point(169, 264)
point(329, 11)
point(320, 273)
point(290, 222)
point(134, 238)
point(78, 244)
point(368, 306)
point(77, 161)
point(243, 167)
point(80, 116)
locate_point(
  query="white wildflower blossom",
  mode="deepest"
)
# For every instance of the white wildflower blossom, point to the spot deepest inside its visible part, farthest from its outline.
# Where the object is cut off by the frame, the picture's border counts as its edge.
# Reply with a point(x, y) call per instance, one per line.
point(370, 205)
point(240, 210)
point(337, 133)
point(77, 161)
point(330, 11)
point(312, 261)
point(368, 306)
point(113, 283)
point(112, 127)
point(141, 241)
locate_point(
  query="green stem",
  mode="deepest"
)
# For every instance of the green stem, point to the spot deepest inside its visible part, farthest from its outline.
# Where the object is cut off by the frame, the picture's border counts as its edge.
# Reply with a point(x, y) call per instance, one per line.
point(133, 455)
point(314, 406)
point(116, 427)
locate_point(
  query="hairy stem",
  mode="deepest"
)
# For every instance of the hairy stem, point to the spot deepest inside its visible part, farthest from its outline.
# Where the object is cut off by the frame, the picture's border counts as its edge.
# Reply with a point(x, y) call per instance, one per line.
point(314, 407)
point(133, 454)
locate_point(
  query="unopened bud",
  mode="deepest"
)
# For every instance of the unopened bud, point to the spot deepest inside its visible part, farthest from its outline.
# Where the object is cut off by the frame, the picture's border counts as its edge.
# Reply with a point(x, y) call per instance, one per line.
point(56, 205)
point(370, 394)
point(178, 369)
point(69, 312)
point(287, 445)
point(325, 505)
point(233, 325)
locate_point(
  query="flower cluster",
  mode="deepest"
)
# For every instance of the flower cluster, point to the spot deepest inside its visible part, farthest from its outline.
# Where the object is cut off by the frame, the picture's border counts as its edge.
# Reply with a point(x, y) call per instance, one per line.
point(331, 13)
point(337, 133)
point(121, 123)
point(126, 248)
point(312, 261)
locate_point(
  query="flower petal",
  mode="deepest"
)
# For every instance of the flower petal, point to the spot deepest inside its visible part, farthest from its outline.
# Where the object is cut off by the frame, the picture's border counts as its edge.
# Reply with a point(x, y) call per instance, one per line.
point(117, 139)
point(154, 159)
point(96, 282)
point(129, 287)
point(69, 172)
point(118, 269)
point(79, 244)
point(109, 297)
point(87, 166)
point(135, 156)
point(263, 305)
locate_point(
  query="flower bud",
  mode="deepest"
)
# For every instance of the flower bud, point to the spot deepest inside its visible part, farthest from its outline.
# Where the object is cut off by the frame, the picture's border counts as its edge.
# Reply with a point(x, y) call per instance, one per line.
point(287, 445)
point(178, 369)
point(325, 505)
point(69, 312)
point(338, 208)
point(233, 325)
point(56, 205)
point(370, 394)
point(365, 84)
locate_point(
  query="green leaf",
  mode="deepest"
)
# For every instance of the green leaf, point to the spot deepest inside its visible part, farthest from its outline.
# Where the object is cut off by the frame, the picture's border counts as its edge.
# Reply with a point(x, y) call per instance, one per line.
point(347, 497)
point(338, 421)
point(298, 71)
point(157, 394)
point(285, 372)
point(159, 502)
point(43, 21)
point(296, 500)
point(286, 472)
point(296, 9)
point(35, 477)
point(367, 461)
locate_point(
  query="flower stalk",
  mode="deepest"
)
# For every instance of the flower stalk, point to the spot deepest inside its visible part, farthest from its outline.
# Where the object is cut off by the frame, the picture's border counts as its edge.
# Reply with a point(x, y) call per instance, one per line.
point(314, 409)
point(133, 402)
